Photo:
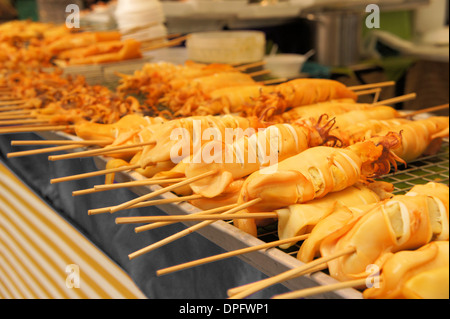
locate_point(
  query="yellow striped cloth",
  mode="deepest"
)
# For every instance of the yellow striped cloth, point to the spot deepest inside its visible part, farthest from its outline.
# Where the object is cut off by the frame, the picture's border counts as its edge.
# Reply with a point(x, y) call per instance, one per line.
point(42, 256)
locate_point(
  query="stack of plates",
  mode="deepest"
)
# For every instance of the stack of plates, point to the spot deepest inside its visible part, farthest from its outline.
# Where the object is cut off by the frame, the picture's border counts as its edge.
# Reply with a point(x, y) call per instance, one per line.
point(142, 20)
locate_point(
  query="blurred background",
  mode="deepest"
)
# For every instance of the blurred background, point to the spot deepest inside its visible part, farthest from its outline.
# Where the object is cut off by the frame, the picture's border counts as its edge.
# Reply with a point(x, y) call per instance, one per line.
point(410, 46)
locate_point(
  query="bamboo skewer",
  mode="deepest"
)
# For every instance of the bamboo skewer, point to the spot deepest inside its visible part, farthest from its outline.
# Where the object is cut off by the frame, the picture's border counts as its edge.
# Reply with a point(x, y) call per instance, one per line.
point(257, 73)
point(150, 181)
point(15, 107)
point(43, 150)
point(273, 81)
point(96, 152)
point(233, 291)
point(159, 192)
point(148, 203)
point(23, 121)
point(366, 92)
point(426, 110)
point(233, 253)
point(257, 286)
point(371, 86)
point(37, 128)
point(179, 218)
point(167, 44)
point(376, 96)
point(12, 102)
point(106, 187)
point(397, 99)
point(322, 289)
point(61, 142)
point(161, 224)
point(15, 115)
point(250, 65)
point(92, 174)
point(16, 112)
point(189, 230)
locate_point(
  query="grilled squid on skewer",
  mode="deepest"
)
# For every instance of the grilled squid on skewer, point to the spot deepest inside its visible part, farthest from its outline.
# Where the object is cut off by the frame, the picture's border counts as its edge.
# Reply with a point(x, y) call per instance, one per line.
point(184, 101)
point(71, 41)
point(379, 112)
point(170, 138)
point(299, 219)
point(417, 274)
point(178, 138)
point(154, 80)
point(97, 131)
point(296, 93)
point(419, 137)
point(343, 214)
point(313, 174)
point(402, 222)
point(231, 99)
point(250, 153)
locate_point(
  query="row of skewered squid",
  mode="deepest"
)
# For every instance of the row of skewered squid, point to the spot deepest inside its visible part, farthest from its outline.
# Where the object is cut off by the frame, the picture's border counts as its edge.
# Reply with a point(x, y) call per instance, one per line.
point(198, 89)
point(58, 42)
point(48, 97)
point(231, 161)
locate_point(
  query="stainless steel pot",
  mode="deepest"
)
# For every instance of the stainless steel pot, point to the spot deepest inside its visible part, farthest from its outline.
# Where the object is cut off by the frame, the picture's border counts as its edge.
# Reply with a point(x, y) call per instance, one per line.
point(337, 36)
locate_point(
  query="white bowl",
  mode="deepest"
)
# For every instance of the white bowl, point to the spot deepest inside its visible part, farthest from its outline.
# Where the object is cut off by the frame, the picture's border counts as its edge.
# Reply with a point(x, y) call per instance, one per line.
point(285, 64)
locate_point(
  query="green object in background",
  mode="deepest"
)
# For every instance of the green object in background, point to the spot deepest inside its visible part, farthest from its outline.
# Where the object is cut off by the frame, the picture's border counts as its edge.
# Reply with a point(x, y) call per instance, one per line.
point(399, 23)
point(395, 66)
point(27, 9)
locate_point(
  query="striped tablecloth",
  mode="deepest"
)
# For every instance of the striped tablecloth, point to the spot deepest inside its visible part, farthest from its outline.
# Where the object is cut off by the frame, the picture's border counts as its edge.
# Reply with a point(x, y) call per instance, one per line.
point(44, 256)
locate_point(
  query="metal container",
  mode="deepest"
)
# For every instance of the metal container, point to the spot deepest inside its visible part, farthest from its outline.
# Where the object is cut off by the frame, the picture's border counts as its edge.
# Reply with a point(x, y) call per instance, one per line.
point(336, 37)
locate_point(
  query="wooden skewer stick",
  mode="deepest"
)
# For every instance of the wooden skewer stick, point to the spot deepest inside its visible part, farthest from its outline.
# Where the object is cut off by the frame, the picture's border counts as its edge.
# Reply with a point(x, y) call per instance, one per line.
point(148, 203)
point(15, 115)
point(426, 110)
point(7, 96)
point(161, 224)
point(190, 230)
point(15, 107)
point(163, 37)
point(257, 73)
point(23, 121)
point(92, 174)
point(290, 273)
point(17, 112)
point(12, 102)
point(61, 142)
point(322, 289)
point(233, 253)
point(250, 65)
point(273, 81)
point(233, 291)
point(179, 218)
point(150, 181)
point(43, 150)
point(369, 91)
point(167, 44)
point(371, 86)
point(160, 191)
point(25, 129)
point(401, 98)
point(101, 151)
point(99, 188)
